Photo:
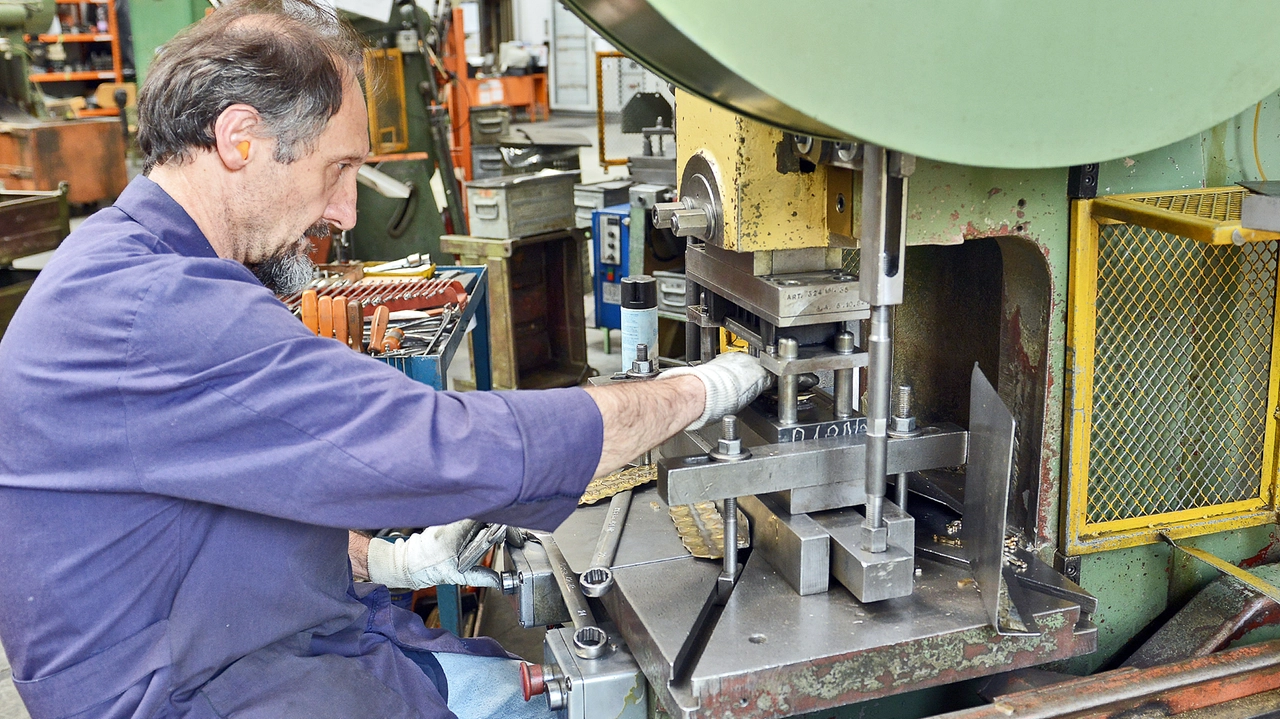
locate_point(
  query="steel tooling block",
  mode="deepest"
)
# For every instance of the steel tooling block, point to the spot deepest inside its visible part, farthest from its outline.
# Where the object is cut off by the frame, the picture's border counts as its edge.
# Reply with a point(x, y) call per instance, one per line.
point(774, 653)
point(816, 462)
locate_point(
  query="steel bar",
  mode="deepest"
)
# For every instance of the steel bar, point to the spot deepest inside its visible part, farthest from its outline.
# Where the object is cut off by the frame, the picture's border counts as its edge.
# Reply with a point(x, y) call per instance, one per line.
point(598, 578)
point(788, 385)
point(1176, 688)
point(809, 463)
point(879, 377)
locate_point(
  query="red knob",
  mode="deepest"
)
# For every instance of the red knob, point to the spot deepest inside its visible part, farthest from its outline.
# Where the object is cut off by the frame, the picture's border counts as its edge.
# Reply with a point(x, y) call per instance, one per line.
point(532, 681)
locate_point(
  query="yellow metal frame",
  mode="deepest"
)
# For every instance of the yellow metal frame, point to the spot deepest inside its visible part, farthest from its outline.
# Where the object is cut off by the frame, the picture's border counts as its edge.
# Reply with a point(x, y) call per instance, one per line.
point(1079, 535)
point(1209, 215)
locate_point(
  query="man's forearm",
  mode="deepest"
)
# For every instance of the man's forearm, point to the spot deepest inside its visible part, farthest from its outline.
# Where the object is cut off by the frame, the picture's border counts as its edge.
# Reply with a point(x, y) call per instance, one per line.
point(639, 416)
point(358, 553)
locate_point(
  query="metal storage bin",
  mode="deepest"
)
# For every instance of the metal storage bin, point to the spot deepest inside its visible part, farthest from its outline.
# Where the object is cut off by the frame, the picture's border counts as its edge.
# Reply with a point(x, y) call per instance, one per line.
point(521, 205)
point(588, 198)
point(489, 123)
point(670, 291)
point(486, 162)
point(539, 336)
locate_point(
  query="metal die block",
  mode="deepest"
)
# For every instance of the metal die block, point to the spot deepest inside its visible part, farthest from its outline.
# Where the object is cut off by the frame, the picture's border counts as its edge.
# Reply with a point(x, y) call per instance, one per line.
point(822, 497)
point(870, 576)
point(902, 527)
point(795, 545)
point(609, 686)
point(537, 598)
point(800, 298)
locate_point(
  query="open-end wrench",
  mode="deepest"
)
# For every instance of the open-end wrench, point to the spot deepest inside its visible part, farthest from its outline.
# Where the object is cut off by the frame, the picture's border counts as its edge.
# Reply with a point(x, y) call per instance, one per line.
point(599, 575)
point(589, 640)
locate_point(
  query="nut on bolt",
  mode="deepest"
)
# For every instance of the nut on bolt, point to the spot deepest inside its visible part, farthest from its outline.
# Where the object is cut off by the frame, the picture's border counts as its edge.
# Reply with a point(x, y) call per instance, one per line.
point(729, 448)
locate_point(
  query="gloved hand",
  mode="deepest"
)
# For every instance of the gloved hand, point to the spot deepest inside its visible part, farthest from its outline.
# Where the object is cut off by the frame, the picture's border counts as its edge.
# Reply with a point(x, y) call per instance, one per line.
point(428, 558)
point(732, 379)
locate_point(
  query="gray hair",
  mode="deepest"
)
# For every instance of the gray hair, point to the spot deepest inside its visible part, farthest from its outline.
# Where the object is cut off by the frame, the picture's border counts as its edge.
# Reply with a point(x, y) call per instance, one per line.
point(288, 59)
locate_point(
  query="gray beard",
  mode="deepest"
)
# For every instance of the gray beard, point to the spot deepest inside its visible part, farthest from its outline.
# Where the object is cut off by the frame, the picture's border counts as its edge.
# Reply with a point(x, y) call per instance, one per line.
point(290, 270)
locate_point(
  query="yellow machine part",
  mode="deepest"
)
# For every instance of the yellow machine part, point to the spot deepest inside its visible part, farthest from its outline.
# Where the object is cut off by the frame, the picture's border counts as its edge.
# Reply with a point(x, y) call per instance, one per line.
point(764, 209)
point(1173, 368)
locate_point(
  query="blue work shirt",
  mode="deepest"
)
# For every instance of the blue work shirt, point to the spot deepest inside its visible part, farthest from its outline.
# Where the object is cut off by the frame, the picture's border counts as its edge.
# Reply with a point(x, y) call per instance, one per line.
point(180, 461)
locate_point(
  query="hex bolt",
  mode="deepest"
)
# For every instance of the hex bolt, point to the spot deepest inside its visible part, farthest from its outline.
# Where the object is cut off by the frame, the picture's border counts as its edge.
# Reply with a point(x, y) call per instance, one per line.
point(729, 427)
point(642, 367)
point(663, 212)
point(844, 345)
point(692, 222)
point(729, 448)
point(788, 384)
point(902, 408)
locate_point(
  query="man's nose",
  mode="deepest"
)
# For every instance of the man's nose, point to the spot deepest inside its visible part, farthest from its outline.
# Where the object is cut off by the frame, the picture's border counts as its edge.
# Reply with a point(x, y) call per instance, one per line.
point(341, 211)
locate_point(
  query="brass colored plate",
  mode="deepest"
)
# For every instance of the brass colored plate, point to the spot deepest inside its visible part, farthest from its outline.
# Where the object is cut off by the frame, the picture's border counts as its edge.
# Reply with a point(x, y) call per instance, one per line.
point(609, 485)
point(701, 528)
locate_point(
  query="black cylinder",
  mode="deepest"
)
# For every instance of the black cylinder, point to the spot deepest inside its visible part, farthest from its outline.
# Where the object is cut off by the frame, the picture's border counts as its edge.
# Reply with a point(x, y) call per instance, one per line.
point(639, 292)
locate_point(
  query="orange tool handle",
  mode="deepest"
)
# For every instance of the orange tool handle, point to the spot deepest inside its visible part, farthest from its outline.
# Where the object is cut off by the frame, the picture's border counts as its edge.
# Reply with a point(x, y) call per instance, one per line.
point(325, 312)
point(378, 330)
point(355, 325)
point(341, 325)
point(310, 311)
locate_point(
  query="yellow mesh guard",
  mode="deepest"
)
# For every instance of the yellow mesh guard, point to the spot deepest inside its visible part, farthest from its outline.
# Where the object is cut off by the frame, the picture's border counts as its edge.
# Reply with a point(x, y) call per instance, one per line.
point(384, 96)
point(1172, 360)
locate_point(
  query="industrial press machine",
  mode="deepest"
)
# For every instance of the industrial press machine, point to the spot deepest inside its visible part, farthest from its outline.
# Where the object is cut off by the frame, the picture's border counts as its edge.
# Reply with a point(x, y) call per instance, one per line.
point(951, 346)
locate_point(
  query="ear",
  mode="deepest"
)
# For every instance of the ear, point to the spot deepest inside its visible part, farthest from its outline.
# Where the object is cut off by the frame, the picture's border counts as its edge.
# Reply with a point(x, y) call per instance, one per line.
point(235, 134)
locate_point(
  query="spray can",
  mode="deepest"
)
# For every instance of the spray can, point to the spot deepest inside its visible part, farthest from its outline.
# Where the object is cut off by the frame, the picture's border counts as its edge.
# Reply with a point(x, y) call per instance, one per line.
point(639, 317)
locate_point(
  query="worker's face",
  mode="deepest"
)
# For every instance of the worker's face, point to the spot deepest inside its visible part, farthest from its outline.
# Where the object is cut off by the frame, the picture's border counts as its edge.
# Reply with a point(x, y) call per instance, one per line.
point(296, 201)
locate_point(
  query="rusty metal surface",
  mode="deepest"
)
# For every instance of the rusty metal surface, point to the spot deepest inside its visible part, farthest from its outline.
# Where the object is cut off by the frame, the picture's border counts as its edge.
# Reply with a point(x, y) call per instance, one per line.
point(1173, 689)
point(88, 154)
point(774, 653)
point(1219, 614)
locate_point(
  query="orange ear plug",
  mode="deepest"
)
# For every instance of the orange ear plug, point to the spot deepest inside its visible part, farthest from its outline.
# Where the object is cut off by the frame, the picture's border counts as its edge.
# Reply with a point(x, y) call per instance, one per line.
point(243, 147)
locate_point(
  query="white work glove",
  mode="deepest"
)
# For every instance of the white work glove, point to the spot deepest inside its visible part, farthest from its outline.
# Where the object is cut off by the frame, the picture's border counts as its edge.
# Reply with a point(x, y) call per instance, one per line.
point(733, 380)
point(428, 558)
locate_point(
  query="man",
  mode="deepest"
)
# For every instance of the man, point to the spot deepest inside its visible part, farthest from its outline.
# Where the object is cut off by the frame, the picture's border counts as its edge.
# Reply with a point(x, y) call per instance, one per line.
point(181, 457)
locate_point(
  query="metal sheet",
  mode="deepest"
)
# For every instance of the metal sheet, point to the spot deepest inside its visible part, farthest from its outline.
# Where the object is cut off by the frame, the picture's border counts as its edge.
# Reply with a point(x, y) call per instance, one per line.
point(986, 491)
point(951, 80)
point(778, 467)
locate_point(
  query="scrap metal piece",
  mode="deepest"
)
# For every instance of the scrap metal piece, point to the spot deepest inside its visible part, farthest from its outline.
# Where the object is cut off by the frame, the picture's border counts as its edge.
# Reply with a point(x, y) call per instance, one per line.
point(992, 430)
point(620, 481)
point(701, 528)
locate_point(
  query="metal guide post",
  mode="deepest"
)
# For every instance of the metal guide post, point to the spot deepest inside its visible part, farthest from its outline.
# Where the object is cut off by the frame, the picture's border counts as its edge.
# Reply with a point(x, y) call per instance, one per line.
point(884, 188)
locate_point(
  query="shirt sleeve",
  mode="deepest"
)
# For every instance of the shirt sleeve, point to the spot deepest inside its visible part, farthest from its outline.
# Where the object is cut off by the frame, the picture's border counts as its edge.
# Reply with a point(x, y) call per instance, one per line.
point(230, 400)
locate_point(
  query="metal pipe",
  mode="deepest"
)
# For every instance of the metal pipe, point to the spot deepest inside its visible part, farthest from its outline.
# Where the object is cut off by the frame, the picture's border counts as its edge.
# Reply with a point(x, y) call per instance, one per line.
point(879, 379)
point(844, 381)
point(788, 384)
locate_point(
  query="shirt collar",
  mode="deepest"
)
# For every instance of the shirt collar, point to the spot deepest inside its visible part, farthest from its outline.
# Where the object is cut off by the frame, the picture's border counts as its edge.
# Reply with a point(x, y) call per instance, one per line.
point(150, 206)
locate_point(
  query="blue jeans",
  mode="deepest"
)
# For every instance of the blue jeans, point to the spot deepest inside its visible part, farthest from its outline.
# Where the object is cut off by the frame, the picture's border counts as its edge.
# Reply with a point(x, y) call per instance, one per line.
point(480, 687)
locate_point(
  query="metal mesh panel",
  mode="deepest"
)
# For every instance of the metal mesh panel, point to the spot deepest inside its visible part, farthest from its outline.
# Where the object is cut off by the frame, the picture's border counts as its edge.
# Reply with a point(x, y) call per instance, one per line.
point(851, 261)
point(1218, 205)
point(1181, 367)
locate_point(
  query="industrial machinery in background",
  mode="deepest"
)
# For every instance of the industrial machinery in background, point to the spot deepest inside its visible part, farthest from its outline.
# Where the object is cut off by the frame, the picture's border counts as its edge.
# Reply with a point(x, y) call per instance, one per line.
point(38, 152)
point(1017, 414)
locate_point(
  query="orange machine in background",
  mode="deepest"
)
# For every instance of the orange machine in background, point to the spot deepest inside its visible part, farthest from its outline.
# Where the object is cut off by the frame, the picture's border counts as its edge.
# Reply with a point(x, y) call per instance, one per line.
point(527, 92)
